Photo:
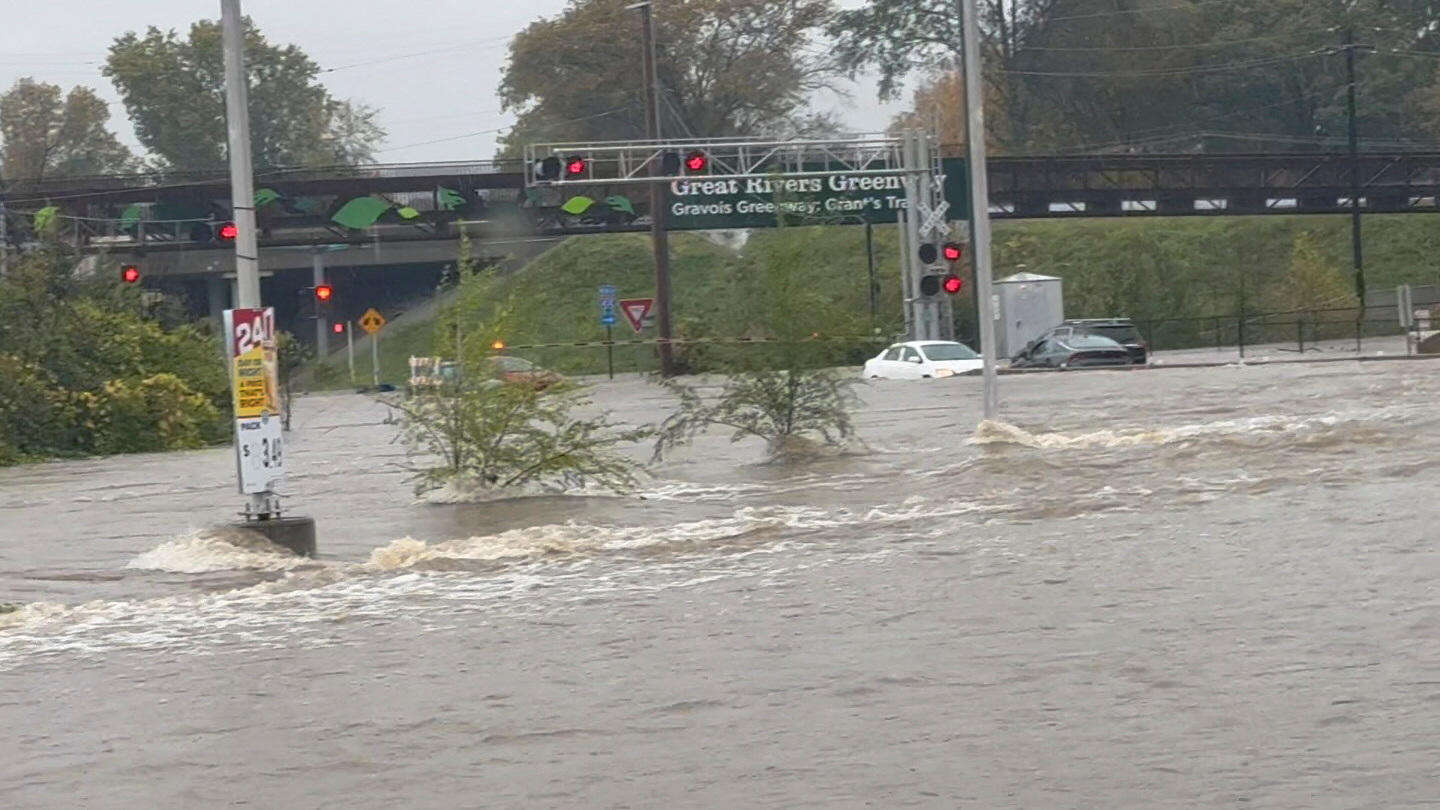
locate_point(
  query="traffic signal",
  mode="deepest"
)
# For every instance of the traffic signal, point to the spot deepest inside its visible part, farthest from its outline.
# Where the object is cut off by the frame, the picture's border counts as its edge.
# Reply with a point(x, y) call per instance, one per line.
point(548, 169)
point(697, 162)
point(324, 292)
point(227, 231)
point(953, 251)
point(952, 284)
point(130, 274)
point(575, 166)
point(338, 328)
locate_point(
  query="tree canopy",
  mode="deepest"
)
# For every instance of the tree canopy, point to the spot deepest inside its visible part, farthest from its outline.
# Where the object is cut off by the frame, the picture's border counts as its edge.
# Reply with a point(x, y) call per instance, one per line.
point(174, 91)
point(1169, 75)
point(727, 67)
point(45, 135)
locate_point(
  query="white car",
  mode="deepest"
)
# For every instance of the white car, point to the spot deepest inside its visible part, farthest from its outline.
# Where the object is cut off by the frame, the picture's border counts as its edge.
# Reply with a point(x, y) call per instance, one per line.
point(922, 359)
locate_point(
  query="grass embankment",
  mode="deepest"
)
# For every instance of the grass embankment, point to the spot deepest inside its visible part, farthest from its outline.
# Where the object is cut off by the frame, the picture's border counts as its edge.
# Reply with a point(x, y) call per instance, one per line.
point(1150, 270)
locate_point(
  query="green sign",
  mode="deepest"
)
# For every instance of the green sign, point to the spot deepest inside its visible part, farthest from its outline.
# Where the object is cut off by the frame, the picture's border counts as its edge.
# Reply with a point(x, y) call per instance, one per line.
point(701, 203)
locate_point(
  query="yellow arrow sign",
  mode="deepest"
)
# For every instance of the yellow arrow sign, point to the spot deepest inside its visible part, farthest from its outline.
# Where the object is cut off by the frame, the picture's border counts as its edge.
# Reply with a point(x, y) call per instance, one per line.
point(372, 321)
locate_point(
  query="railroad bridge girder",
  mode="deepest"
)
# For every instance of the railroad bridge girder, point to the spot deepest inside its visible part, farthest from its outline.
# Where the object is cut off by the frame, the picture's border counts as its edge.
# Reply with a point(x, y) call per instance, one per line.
point(432, 202)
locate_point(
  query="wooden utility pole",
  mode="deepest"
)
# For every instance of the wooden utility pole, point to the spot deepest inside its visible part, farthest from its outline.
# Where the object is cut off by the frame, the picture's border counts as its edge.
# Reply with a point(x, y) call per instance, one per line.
point(658, 236)
point(1355, 241)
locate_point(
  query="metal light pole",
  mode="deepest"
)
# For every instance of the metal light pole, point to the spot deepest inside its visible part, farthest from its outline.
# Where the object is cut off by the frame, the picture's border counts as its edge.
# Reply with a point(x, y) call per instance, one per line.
point(322, 324)
point(658, 236)
point(242, 179)
point(262, 512)
point(979, 196)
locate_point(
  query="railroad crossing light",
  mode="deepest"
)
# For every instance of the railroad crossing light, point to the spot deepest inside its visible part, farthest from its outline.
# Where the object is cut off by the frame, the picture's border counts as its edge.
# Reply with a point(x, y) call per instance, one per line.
point(548, 169)
point(953, 251)
point(324, 292)
point(928, 253)
point(929, 285)
point(697, 162)
point(670, 164)
point(952, 284)
point(575, 166)
point(338, 328)
point(227, 232)
point(130, 274)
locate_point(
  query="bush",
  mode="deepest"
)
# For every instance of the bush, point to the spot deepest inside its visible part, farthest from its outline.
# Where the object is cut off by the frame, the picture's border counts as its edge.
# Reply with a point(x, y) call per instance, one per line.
point(158, 413)
point(492, 435)
point(85, 371)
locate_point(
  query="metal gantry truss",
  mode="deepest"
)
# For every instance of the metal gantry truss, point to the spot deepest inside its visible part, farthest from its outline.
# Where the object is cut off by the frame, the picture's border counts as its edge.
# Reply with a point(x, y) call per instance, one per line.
point(913, 157)
point(620, 162)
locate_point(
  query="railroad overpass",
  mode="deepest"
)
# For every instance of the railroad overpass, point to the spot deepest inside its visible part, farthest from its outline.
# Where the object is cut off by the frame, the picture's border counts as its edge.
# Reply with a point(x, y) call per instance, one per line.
point(369, 219)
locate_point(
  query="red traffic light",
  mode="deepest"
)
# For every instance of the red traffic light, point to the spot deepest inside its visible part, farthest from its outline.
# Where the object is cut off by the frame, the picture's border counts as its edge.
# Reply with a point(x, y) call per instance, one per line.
point(952, 284)
point(696, 162)
point(129, 274)
point(576, 165)
point(953, 252)
point(324, 292)
point(228, 232)
point(338, 328)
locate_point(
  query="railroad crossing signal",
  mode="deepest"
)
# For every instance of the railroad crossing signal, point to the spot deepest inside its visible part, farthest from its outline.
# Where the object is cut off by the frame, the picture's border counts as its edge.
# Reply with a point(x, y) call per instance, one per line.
point(372, 321)
point(130, 274)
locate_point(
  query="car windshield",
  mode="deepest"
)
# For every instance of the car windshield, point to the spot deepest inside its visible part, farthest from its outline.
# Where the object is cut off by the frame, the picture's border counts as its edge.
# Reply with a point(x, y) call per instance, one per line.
point(1091, 342)
point(1120, 333)
point(948, 351)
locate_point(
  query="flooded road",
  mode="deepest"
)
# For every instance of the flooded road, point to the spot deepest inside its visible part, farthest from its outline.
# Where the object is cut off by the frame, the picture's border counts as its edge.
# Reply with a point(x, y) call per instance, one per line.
point(1188, 588)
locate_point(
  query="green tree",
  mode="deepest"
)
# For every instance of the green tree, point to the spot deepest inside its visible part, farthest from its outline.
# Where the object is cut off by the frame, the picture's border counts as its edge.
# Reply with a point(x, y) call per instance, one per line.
point(174, 91)
point(44, 135)
point(480, 432)
point(727, 67)
point(784, 390)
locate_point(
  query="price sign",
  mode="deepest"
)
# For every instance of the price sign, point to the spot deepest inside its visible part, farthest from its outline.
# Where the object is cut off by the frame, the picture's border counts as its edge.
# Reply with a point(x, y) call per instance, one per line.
point(260, 446)
point(255, 387)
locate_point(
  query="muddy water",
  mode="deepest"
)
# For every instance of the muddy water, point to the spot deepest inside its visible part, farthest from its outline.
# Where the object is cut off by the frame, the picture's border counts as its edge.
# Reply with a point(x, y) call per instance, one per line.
point(1160, 589)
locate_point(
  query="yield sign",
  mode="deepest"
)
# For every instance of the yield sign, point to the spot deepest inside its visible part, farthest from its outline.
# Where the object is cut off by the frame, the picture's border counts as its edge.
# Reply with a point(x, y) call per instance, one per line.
point(636, 311)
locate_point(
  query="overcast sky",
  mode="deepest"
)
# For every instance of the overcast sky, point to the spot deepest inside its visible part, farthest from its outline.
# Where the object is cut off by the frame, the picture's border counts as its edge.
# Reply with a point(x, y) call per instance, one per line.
point(430, 66)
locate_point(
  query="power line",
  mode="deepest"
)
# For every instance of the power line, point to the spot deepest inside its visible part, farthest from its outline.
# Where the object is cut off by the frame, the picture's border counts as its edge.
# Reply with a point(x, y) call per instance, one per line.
point(501, 129)
point(1185, 46)
point(416, 54)
point(1224, 67)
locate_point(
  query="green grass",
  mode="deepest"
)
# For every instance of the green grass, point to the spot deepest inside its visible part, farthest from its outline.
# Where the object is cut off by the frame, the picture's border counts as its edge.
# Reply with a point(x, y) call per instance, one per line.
point(1150, 269)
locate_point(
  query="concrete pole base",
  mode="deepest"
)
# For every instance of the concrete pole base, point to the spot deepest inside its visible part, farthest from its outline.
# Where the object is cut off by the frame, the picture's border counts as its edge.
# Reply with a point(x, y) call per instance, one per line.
point(294, 533)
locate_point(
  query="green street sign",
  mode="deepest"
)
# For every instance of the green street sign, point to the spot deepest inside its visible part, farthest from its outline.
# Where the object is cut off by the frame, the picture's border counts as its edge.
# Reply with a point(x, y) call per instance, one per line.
point(701, 203)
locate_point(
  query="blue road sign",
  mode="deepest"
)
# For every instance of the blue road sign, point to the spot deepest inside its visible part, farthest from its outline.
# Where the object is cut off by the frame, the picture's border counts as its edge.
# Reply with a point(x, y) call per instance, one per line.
point(607, 295)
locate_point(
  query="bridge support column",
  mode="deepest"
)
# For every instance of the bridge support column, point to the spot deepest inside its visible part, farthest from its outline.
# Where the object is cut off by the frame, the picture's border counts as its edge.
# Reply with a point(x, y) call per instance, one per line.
point(215, 296)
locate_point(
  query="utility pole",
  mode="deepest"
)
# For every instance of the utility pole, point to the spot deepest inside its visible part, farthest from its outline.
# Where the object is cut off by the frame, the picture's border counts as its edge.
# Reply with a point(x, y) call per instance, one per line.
point(979, 196)
point(658, 236)
point(1354, 172)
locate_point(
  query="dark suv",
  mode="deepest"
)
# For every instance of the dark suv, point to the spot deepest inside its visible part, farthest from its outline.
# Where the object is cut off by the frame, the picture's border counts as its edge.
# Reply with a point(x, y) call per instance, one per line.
point(1120, 330)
